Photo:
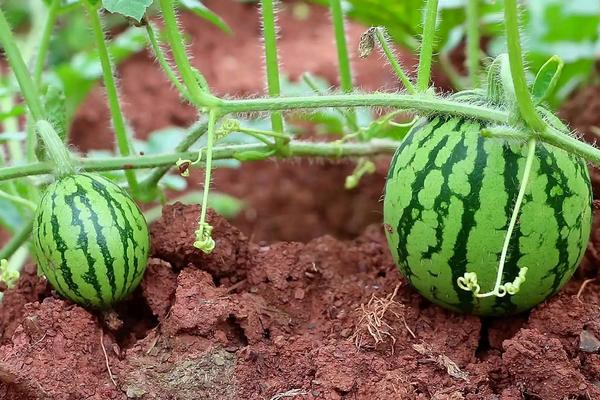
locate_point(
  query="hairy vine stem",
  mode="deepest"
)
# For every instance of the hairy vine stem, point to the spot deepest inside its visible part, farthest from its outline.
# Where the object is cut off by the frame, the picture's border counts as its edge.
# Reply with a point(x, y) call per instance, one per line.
point(123, 142)
point(272, 64)
point(29, 89)
point(344, 68)
point(421, 103)
point(45, 41)
point(162, 60)
point(473, 42)
point(297, 149)
point(517, 70)
point(426, 54)
point(396, 67)
point(199, 95)
point(57, 152)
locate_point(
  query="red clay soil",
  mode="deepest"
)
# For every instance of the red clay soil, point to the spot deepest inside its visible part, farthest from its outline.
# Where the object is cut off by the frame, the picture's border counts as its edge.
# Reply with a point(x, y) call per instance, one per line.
point(326, 316)
point(253, 321)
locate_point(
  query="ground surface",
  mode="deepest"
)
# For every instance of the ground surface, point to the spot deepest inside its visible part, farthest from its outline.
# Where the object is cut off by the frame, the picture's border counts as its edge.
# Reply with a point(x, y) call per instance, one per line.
point(282, 307)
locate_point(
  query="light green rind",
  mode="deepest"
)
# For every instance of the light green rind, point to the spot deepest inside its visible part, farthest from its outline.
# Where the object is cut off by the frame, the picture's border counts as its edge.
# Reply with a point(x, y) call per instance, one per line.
point(448, 201)
point(91, 240)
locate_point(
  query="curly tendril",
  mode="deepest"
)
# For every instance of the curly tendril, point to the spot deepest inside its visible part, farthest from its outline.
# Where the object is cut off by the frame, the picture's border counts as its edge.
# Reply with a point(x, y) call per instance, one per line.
point(204, 240)
point(7, 275)
point(469, 283)
point(184, 165)
point(363, 167)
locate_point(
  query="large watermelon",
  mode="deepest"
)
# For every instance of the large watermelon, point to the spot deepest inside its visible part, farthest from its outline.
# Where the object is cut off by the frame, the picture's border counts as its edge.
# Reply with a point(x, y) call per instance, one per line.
point(91, 240)
point(448, 201)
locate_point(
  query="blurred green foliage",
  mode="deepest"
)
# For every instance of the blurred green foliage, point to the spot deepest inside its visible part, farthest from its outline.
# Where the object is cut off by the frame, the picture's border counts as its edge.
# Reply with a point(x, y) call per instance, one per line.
point(569, 29)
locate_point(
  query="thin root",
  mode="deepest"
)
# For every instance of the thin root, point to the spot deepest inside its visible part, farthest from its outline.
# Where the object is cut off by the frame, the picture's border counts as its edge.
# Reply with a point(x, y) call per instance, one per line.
point(289, 393)
point(112, 378)
point(373, 321)
point(442, 361)
point(582, 288)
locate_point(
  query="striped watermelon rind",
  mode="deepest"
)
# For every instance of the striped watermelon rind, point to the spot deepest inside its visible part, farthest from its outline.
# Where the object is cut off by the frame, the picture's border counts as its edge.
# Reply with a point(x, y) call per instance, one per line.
point(448, 200)
point(91, 240)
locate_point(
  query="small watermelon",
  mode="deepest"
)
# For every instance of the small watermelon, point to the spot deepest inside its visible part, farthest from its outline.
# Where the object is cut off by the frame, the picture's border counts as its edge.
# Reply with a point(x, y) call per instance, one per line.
point(448, 201)
point(91, 240)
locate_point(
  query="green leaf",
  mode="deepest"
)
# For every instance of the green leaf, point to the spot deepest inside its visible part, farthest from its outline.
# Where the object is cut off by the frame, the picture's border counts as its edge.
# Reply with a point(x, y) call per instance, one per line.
point(162, 141)
point(404, 19)
point(16, 111)
point(129, 8)
point(384, 127)
point(17, 13)
point(547, 79)
point(10, 218)
point(78, 76)
point(224, 204)
point(202, 11)
point(567, 29)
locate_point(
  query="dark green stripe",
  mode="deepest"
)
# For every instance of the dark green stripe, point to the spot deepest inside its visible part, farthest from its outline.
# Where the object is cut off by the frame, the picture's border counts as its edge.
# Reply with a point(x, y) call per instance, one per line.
point(582, 172)
point(408, 140)
point(42, 232)
point(61, 246)
point(124, 233)
point(412, 212)
point(89, 276)
point(137, 272)
point(556, 178)
point(459, 153)
point(107, 257)
point(471, 202)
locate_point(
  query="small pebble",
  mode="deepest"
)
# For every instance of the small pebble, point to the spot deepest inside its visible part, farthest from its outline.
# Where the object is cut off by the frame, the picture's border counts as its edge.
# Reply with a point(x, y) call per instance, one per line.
point(218, 360)
point(221, 336)
point(588, 342)
point(279, 340)
point(299, 294)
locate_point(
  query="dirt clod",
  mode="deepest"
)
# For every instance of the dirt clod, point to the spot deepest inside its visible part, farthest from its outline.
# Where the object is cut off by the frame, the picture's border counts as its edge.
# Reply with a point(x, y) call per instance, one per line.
point(176, 230)
point(159, 287)
point(528, 357)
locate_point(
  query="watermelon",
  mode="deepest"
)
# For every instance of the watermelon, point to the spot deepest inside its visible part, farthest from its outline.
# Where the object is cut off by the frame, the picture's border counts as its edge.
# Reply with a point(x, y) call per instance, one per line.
point(90, 239)
point(448, 200)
